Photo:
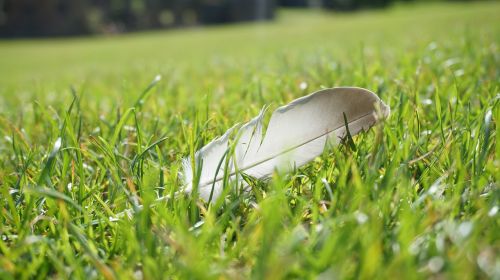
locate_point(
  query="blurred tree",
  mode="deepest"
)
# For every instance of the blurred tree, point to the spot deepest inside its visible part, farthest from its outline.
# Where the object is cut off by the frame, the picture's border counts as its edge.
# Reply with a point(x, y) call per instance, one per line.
point(72, 17)
point(350, 5)
point(65, 17)
point(300, 3)
point(221, 11)
point(43, 17)
point(251, 10)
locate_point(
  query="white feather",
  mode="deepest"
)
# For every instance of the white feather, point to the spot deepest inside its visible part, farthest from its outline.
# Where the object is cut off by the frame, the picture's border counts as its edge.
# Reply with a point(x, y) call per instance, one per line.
point(296, 134)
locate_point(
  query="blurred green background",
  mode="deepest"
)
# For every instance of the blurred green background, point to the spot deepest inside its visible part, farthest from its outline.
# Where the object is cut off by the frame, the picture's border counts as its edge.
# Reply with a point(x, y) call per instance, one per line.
point(81, 141)
point(293, 32)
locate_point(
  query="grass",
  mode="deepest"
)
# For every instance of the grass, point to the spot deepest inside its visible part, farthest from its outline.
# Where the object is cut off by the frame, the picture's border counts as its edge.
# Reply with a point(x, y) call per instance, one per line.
point(82, 140)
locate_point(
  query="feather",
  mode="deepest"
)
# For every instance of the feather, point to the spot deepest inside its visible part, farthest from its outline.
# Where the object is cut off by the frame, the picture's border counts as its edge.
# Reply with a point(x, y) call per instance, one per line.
point(296, 134)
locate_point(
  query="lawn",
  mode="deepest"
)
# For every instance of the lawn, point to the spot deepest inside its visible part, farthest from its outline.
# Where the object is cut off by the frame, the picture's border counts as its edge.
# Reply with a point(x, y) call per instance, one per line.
point(89, 145)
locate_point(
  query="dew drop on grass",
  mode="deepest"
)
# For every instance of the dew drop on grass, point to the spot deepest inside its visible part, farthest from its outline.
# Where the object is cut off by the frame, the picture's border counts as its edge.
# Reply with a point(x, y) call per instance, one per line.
point(138, 275)
point(57, 145)
point(459, 73)
point(299, 234)
point(379, 80)
point(430, 89)
point(319, 228)
point(396, 248)
point(435, 264)
point(129, 128)
point(465, 228)
point(31, 239)
point(450, 62)
point(432, 46)
point(334, 66)
point(440, 242)
point(427, 102)
point(493, 211)
point(426, 132)
point(197, 225)
point(361, 217)
point(88, 167)
point(486, 261)
point(414, 248)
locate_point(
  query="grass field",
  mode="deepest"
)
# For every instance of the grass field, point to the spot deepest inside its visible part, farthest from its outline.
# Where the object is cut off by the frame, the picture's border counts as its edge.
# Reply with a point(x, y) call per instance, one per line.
point(417, 198)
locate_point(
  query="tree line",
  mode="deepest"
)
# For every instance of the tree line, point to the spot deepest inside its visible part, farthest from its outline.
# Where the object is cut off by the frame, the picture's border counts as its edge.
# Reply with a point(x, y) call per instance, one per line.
point(28, 18)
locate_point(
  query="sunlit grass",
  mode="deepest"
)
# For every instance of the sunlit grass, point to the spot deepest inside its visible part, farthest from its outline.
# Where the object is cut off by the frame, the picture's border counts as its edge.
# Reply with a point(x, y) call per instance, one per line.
point(417, 198)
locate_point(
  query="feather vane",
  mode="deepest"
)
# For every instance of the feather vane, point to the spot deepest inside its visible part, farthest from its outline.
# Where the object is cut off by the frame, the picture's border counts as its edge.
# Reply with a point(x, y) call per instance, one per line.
point(296, 134)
